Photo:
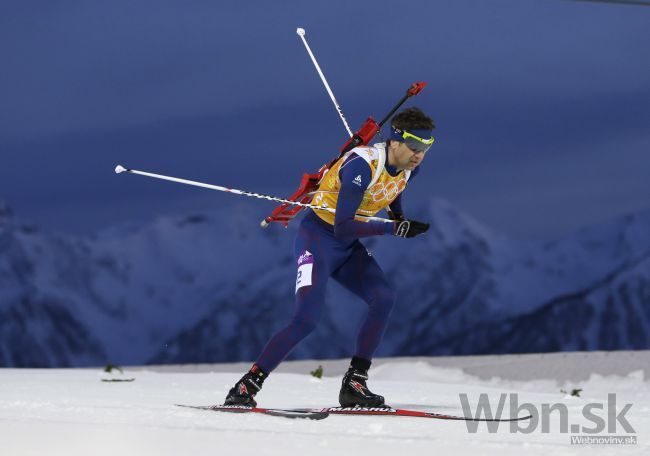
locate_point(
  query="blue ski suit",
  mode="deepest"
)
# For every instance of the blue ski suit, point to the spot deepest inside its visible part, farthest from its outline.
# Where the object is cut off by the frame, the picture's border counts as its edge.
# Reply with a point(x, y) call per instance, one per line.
point(323, 251)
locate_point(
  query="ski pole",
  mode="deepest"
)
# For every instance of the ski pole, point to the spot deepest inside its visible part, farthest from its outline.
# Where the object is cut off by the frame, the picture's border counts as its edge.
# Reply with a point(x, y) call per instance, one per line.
point(121, 169)
point(301, 33)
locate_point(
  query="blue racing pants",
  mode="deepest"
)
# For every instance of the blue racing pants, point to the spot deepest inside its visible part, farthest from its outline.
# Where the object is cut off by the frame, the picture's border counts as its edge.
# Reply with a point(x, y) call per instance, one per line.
point(320, 255)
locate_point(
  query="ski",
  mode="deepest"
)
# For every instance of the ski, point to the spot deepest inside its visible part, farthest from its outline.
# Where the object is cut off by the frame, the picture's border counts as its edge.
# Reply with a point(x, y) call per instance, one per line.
point(321, 413)
point(389, 411)
point(284, 413)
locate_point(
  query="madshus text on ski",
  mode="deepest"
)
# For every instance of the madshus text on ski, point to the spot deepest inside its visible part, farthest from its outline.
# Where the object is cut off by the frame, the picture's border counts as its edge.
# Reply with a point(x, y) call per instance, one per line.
point(322, 413)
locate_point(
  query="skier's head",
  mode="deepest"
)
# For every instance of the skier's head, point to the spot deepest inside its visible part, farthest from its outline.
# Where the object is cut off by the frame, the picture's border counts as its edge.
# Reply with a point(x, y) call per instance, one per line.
point(410, 137)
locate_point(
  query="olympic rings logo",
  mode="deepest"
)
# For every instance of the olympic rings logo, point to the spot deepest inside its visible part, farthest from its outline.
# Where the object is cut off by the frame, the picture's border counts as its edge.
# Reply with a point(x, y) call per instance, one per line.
point(386, 191)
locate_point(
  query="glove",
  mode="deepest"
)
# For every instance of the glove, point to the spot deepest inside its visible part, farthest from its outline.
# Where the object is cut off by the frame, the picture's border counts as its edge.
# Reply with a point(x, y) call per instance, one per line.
point(410, 228)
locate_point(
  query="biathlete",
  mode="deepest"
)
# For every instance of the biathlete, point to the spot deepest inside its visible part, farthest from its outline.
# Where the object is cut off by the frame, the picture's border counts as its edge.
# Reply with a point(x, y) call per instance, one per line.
point(363, 181)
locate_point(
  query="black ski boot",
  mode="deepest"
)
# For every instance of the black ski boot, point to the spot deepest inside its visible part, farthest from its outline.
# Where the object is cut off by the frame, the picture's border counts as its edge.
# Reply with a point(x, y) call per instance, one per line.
point(246, 388)
point(354, 391)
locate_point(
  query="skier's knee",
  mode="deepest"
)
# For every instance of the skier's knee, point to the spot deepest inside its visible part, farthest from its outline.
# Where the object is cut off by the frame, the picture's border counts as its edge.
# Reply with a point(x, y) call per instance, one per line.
point(383, 299)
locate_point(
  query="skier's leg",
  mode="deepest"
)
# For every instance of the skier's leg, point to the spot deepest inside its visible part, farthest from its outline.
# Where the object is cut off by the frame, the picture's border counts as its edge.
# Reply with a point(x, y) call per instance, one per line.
point(312, 262)
point(313, 254)
point(362, 276)
point(309, 299)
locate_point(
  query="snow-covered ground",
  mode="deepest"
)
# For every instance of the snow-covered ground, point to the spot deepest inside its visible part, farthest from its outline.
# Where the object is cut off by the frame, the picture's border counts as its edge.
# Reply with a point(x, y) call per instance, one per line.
point(71, 412)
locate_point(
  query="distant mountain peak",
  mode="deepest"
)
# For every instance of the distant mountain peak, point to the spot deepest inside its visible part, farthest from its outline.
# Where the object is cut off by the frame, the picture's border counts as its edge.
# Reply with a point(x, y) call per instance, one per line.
point(213, 286)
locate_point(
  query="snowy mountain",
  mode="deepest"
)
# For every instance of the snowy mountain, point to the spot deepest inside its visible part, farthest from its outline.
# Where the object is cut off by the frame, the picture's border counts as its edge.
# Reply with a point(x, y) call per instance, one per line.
point(208, 288)
point(589, 291)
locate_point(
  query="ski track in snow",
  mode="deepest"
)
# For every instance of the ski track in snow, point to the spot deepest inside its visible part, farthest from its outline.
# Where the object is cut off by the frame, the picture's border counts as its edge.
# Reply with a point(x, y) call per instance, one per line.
point(71, 412)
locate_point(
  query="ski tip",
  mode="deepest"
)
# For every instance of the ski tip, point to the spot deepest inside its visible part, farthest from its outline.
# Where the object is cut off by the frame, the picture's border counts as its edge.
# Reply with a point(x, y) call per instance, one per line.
point(120, 169)
point(300, 31)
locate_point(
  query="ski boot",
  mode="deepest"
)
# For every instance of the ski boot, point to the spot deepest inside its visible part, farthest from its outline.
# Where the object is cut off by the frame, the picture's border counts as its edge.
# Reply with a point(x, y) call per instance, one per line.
point(246, 388)
point(354, 391)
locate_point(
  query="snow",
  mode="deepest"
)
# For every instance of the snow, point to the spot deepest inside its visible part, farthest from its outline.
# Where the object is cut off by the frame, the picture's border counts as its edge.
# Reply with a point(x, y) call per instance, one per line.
point(71, 412)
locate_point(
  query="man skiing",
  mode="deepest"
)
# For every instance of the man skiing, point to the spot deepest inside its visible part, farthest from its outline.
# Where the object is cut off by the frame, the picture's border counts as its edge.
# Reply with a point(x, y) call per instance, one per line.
point(362, 182)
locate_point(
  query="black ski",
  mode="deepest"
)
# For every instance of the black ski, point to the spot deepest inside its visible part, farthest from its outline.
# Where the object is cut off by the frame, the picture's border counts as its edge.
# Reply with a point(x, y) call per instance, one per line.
point(285, 413)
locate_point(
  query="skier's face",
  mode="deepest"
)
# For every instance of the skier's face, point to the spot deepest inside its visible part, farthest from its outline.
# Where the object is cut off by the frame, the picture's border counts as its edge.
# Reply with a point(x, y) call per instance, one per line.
point(405, 158)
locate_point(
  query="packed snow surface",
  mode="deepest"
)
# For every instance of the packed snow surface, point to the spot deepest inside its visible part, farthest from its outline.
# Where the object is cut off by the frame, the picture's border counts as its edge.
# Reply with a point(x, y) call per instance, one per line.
point(72, 412)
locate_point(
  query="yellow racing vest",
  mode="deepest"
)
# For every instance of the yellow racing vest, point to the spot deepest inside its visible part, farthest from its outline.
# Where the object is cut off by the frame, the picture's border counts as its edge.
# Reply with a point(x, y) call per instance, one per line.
point(382, 191)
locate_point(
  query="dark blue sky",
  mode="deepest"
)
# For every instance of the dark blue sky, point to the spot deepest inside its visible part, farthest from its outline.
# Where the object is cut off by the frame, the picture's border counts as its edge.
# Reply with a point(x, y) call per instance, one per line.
point(542, 106)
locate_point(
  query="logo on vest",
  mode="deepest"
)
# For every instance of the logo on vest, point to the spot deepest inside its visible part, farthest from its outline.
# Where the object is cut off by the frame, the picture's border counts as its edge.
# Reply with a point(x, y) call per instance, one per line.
point(386, 191)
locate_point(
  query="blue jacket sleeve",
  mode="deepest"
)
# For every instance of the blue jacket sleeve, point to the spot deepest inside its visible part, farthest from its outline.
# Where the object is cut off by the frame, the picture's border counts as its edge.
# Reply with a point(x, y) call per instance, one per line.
point(355, 176)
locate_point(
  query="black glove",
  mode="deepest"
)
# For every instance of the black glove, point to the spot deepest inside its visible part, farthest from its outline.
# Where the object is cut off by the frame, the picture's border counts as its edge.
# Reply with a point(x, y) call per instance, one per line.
point(410, 228)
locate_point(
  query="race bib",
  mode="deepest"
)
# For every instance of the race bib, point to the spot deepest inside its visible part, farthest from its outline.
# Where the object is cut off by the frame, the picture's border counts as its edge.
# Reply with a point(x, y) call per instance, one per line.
point(305, 267)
